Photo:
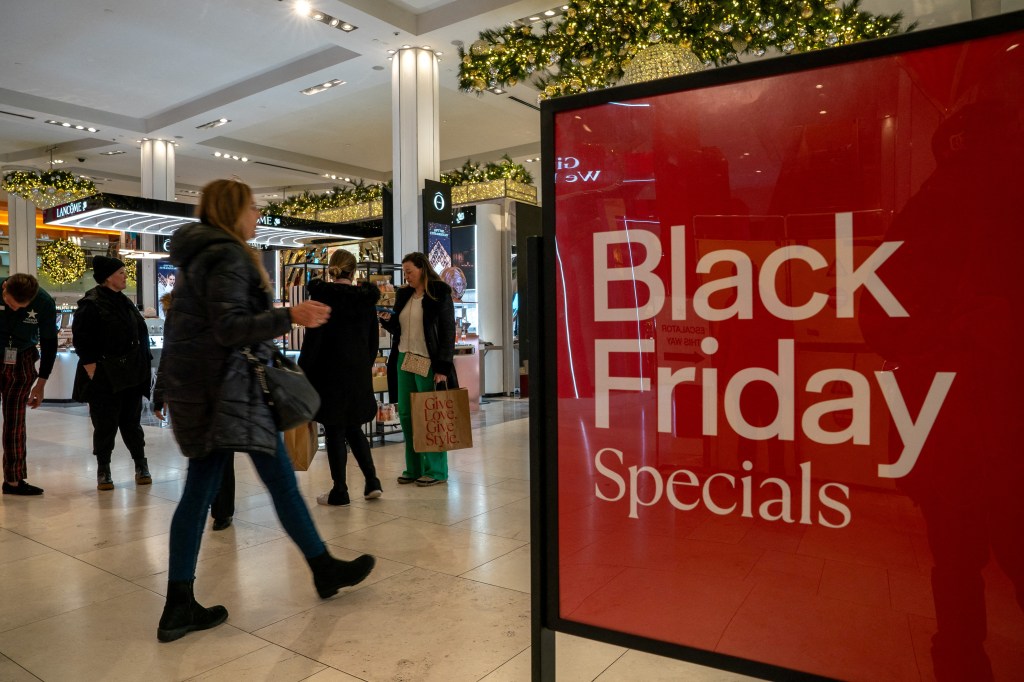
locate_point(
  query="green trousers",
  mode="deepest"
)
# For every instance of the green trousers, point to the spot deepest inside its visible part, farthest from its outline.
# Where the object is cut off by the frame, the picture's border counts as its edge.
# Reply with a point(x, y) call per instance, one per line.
point(417, 464)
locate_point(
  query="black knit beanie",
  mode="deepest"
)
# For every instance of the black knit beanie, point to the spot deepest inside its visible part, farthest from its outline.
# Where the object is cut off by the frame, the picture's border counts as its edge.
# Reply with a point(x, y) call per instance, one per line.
point(103, 267)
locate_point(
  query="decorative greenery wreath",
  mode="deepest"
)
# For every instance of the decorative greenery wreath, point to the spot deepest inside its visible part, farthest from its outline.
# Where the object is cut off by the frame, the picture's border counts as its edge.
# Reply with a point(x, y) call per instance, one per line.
point(62, 261)
point(47, 189)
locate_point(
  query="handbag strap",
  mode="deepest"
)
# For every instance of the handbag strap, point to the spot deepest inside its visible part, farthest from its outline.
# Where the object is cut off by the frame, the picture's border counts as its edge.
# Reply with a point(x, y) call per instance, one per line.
point(260, 371)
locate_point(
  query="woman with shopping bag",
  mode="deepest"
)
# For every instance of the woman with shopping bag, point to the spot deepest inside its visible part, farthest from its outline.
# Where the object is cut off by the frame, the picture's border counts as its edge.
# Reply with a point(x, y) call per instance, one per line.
point(423, 324)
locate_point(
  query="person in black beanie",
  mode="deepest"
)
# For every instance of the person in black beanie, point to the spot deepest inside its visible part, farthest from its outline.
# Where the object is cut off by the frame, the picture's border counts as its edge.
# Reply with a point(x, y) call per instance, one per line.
point(112, 342)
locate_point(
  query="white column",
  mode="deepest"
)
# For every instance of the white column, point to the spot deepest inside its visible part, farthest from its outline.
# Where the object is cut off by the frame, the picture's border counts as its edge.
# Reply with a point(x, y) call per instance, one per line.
point(22, 226)
point(157, 183)
point(158, 170)
point(491, 272)
point(416, 153)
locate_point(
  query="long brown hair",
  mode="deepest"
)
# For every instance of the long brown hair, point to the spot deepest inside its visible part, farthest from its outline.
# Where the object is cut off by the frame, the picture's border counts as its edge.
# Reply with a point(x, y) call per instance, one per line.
point(224, 205)
point(421, 262)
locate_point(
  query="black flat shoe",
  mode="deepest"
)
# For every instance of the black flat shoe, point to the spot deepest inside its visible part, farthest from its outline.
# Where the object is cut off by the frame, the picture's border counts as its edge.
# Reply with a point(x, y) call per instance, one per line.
point(23, 488)
point(222, 524)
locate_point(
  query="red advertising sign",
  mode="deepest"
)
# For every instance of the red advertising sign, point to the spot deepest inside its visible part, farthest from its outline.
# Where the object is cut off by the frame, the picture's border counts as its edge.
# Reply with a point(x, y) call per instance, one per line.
point(790, 364)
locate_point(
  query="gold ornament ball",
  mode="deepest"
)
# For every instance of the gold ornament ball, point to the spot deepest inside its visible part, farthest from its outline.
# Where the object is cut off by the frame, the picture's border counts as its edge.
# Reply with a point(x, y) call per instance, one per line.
point(662, 60)
point(480, 48)
point(806, 12)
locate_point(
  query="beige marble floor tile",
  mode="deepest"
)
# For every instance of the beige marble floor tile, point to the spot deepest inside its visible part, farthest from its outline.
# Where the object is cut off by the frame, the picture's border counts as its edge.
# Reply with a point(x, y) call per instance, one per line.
point(332, 675)
point(149, 556)
point(576, 660)
point(14, 547)
point(42, 586)
point(452, 630)
point(263, 585)
point(269, 664)
point(115, 641)
point(511, 571)
point(445, 504)
point(509, 521)
point(85, 527)
point(331, 522)
point(517, 485)
point(12, 672)
point(428, 545)
point(637, 665)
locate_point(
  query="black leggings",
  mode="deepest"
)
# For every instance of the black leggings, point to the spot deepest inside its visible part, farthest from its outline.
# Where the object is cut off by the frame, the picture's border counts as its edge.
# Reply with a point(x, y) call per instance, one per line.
point(335, 436)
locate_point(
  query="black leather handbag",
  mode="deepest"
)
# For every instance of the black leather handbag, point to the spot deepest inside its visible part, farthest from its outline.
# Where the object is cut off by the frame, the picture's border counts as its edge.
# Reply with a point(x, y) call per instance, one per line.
point(291, 397)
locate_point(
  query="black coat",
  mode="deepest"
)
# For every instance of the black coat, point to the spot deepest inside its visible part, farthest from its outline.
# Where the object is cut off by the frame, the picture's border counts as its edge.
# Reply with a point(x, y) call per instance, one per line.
point(338, 357)
point(107, 328)
point(438, 326)
point(219, 307)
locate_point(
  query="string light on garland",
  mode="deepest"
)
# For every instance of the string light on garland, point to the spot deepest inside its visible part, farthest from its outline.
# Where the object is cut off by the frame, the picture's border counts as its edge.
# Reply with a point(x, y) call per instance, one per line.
point(47, 189)
point(593, 41)
point(62, 261)
point(661, 61)
point(131, 269)
point(327, 205)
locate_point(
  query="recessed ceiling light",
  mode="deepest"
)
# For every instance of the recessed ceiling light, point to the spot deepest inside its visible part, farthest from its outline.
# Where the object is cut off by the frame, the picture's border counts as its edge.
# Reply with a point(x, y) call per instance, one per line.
point(549, 13)
point(312, 90)
point(112, 153)
point(213, 124)
point(76, 126)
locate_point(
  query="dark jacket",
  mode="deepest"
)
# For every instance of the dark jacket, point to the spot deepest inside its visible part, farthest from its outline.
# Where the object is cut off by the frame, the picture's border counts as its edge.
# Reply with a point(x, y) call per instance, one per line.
point(109, 330)
point(219, 307)
point(438, 326)
point(338, 357)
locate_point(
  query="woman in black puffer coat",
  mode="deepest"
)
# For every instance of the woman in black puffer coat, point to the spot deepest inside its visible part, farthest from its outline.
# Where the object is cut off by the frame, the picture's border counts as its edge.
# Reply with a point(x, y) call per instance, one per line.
point(338, 359)
point(222, 304)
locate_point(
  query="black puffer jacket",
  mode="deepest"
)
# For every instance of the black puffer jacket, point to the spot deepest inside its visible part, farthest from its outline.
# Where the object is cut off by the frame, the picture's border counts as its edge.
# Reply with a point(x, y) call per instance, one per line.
point(338, 357)
point(219, 307)
point(438, 327)
point(108, 327)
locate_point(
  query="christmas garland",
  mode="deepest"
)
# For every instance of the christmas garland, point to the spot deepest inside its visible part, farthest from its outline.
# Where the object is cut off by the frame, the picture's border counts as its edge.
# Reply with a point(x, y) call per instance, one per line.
point(360, 193)
point(62, 261)
point(47, 189)
point(472, 172)
point(590, 45)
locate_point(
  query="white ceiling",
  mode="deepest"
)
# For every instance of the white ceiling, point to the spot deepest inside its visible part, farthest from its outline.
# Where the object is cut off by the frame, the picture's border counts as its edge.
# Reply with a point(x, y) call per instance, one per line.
point(135, 68)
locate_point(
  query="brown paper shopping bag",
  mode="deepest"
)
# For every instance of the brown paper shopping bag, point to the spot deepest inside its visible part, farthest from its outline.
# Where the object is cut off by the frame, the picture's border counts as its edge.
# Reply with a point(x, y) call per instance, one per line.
point(302, 442)
point(440, 420)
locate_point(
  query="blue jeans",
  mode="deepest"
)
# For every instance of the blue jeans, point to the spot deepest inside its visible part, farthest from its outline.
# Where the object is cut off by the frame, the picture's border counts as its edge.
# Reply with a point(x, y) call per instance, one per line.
point(202, 484)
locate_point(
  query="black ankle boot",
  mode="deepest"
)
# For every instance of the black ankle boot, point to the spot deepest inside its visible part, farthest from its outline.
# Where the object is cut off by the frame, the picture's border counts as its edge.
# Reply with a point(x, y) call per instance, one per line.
point(330, 574)
point(142, 476)
point(183, 614)
point(103, 479)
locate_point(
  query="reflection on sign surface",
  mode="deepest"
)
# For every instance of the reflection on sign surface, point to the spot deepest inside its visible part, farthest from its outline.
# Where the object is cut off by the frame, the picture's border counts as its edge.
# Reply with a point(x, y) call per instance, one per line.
point(789, 367)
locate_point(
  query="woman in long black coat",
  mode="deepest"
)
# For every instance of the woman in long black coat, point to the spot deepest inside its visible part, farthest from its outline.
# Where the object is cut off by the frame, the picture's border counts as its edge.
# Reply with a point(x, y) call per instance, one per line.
point(338, 358)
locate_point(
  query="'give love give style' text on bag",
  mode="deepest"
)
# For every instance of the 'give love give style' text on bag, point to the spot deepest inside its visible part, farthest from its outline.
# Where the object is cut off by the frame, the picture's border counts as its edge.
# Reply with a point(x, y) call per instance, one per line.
point(440, 420)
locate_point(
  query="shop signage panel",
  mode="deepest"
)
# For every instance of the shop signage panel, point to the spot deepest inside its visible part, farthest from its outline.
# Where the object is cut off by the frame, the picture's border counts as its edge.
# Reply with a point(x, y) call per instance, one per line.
point(789, 372)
